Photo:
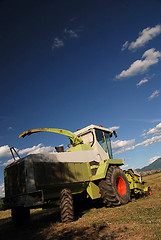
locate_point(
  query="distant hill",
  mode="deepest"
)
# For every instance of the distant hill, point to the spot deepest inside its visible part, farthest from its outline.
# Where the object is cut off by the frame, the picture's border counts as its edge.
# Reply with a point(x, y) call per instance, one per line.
point(153, 166)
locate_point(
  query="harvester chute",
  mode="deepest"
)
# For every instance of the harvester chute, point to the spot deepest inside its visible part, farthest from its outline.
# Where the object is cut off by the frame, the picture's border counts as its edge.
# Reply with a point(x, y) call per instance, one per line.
point(75, 139)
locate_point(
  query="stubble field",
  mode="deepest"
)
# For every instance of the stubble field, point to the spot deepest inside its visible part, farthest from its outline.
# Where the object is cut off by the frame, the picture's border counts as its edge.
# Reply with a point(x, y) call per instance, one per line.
point(139, 219)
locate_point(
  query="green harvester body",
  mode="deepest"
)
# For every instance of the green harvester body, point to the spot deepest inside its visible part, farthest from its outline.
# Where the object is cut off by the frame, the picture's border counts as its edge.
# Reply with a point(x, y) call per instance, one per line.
point(44, 179)
point(38, 179)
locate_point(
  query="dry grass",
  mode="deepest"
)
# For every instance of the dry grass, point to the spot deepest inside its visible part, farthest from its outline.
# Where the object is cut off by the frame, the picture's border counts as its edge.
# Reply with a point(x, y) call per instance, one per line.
point(140, 219)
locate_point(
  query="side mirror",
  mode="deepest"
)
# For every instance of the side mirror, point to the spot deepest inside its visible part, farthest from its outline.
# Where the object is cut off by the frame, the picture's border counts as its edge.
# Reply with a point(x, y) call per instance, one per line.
point(115, 134)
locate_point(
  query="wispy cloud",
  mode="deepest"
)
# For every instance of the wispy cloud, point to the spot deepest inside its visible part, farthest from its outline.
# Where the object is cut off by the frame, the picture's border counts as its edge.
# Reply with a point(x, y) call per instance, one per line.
point(67, 34)
point(149, 141)
point(127, 145)
point(71, 33)
point(10, 129)
point(145, 143)
point(153, 159)
point(58, 43)
point(124, 166)
point(154, 95)
point(114, 128)
point(142, 82)
point(154, 131)
point(149, 58)
point(121, 145)
point(36, 149)
point(144, 37)
point(125, 45)
point(9, 162)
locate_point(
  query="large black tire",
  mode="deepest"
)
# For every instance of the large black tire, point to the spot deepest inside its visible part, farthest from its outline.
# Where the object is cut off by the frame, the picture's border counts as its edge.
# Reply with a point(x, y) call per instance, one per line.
point(20, 215)
point(66, 205)
point(115, 188)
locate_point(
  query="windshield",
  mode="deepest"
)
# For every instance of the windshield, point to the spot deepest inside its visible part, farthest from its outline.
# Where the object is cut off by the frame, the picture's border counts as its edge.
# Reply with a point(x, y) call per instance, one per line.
point(104, 140)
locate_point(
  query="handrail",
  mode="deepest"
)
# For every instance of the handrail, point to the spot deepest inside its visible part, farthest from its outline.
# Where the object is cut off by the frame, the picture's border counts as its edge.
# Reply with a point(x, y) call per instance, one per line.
point(13, 149)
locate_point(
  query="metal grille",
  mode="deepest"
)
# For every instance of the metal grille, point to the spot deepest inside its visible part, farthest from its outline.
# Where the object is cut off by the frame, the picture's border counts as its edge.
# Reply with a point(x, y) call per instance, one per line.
point(15, 175)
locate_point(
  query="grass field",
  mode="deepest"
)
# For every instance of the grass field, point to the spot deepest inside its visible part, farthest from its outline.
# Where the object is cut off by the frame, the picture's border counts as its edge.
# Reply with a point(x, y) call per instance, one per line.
point(139, 219)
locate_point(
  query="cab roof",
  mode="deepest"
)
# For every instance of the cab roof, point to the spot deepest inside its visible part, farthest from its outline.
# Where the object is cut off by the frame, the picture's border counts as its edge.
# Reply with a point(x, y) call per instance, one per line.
point(86, 129)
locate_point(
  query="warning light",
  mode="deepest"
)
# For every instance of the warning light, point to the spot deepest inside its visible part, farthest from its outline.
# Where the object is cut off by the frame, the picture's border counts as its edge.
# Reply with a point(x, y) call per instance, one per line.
point(100, 125)
point(78, 129)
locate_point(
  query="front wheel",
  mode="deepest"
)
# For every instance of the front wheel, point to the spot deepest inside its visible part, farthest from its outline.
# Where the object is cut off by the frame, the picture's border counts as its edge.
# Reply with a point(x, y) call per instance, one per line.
point(115, 188)
point(66, 205)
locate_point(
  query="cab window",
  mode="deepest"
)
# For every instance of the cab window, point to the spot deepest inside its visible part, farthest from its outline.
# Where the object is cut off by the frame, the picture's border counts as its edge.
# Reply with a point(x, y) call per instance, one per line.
point(104, 140)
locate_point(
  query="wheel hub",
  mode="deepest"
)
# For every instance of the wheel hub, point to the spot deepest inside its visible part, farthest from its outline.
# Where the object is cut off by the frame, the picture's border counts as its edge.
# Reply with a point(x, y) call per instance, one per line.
point(120, 185)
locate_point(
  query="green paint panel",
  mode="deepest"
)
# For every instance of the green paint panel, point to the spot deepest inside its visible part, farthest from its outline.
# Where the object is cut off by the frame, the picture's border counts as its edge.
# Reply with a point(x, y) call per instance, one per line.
point(93, 190)
point(116, 161)
point(80, 147)
point(53, 177)
point(103, 167)
point(48, 173)
point(86, 171)
point(53, 191)
point(77, 172)
point(70, 174)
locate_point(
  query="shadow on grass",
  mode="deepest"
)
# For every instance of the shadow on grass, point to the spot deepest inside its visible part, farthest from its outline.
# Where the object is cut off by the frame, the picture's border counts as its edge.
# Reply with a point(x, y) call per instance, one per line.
point(94, 232)
point(39, 221)
point(45, 224)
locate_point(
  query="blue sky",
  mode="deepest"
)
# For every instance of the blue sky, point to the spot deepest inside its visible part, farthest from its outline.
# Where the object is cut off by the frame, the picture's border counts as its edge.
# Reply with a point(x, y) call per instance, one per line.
point(69, 64)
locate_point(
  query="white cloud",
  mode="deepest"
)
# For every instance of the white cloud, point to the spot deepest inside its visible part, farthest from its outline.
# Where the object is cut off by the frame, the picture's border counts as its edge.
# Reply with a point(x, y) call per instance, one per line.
point(2, 194)
point(71, 33)
point(36, 149)
point(150, 57)
point(57, 43)
point(5, 151)
point(124, 46)
point(154, 95)
point(149, 141)
point(124, 149)
point(142, 82)
point(145, 36)
point(156, 130)
point(67, 33)
point(124, 166)
point(153, 159)
point(9, 162)
point(114, 128)
point(121, 145)
point(33, 150)
point(10, 129)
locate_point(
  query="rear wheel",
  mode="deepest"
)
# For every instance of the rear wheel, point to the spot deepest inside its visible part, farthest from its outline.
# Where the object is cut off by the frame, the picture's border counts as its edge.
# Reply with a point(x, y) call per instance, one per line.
point(67, 207)
point(115, 188)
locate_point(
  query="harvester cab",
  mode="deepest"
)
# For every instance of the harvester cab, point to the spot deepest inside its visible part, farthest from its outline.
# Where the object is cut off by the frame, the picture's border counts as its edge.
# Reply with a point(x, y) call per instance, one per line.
point(99, 139)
